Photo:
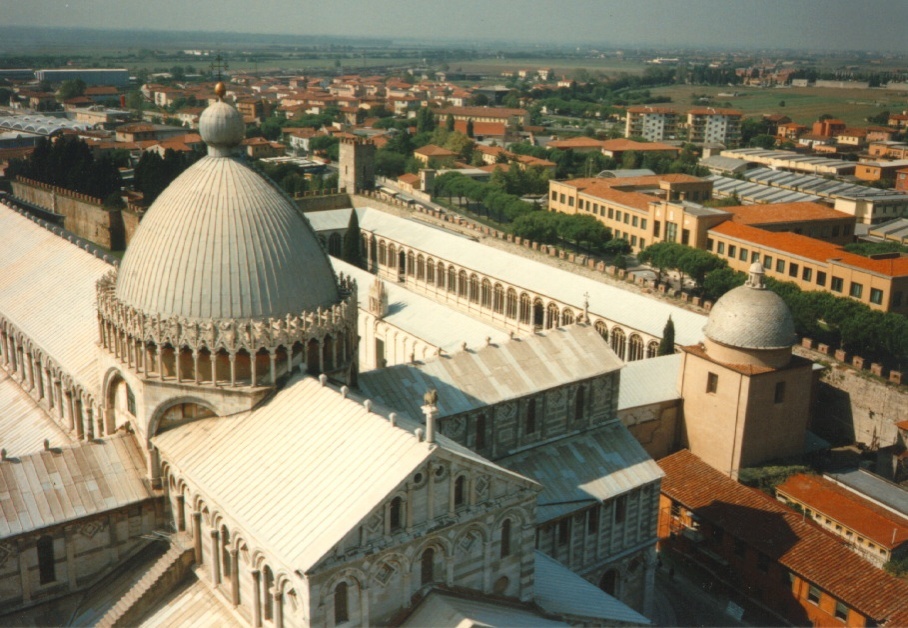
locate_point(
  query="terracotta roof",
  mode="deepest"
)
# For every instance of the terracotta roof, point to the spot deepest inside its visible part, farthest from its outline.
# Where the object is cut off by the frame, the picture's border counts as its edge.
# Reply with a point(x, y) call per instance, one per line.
point(783, 535)
point(877, 524)
point(409, 179)
point(625, 144)
point(771, 213)
point(811, 248)
point(481, 128)
point(576, 142)
point(483, 112)
point(431, 150)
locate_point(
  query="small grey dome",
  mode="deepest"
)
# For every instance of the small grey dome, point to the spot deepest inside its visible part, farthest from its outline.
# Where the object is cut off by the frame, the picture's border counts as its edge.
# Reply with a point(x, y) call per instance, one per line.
point(222, 128)
point(751, 317)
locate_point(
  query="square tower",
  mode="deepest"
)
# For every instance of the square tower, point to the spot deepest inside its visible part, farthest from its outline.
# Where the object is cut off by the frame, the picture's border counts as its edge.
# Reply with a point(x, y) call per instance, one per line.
point(356, 164)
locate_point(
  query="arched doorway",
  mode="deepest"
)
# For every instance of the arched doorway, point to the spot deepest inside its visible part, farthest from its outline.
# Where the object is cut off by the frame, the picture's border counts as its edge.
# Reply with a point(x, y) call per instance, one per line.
point(609, 582)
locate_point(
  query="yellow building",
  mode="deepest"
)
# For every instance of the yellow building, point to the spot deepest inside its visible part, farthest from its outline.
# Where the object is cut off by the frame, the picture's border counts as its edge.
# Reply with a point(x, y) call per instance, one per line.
point(881, 282)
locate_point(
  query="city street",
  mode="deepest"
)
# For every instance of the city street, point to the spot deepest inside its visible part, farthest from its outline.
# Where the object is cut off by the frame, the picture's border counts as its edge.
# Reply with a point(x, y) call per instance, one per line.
point(690, 597)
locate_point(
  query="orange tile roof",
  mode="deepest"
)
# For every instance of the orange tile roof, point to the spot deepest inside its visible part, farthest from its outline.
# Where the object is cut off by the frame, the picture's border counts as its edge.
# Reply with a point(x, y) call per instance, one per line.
point(810, 248)
point(431, 150)
point(483, 112)
point(494, 167)
point(625, 144)
point(783, 535)
point(481, 128)
point(772, 213)
point(409, 179)
point(873, 522)
point(575, 142)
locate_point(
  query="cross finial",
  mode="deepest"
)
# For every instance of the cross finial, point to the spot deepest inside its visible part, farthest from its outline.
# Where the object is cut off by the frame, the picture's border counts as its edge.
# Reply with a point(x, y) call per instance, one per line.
point(220, 65)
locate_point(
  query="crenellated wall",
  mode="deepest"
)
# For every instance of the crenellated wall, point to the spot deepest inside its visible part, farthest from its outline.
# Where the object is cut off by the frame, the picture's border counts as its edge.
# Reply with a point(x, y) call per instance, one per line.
point(83, 215)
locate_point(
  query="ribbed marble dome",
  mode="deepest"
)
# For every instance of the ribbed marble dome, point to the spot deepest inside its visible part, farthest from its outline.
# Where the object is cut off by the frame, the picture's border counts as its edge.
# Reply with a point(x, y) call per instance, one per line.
point(751, 317)
point(222, 242)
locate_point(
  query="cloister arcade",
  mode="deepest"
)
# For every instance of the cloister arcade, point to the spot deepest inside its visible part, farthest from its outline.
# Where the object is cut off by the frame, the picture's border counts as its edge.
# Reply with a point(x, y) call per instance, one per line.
point(74, 408)
point(493, 299)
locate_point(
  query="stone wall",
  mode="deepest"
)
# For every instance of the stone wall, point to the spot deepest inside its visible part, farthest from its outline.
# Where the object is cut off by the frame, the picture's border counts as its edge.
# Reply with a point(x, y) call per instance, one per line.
point(315, 202)
point(83, 550)
point(83, 215)
point(855, 407)
point(656, 427)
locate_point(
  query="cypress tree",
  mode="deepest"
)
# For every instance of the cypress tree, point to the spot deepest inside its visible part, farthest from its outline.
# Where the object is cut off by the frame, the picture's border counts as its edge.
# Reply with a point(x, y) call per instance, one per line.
point(470, 128)
point(449, 123)
point(667, 344)
point(352, 252)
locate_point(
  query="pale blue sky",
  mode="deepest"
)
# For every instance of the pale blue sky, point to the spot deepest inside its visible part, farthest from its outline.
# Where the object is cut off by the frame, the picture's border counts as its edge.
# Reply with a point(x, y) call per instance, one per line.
point(812, 24)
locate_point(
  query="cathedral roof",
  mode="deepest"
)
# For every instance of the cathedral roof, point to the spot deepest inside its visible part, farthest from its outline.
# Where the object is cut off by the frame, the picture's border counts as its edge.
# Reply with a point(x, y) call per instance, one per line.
point(223, 242)
point(309, 440)
point(474, 379)
point(751, 317)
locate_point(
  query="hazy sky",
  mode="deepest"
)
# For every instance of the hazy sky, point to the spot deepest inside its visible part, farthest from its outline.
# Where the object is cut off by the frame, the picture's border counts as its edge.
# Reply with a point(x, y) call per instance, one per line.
point(814, 24)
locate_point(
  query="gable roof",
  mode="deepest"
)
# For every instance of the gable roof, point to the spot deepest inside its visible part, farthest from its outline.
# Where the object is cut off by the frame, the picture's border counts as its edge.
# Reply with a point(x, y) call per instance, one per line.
point(53, 487)
point(431, 150)
point(811, 248)
point(866, 518)
point(47, 289)
point(477, 378)
point(301, 470)
point(576, 472)
point(785, 537)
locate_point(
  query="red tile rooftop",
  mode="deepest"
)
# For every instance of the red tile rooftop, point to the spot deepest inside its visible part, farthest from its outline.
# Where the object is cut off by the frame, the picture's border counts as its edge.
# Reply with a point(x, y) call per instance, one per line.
point(873, 522)
point(624, 144)
point(576, 142)
point(810, 248)
point(486, 112)
point(784, 212)
point(481, 128)
point(784, 536)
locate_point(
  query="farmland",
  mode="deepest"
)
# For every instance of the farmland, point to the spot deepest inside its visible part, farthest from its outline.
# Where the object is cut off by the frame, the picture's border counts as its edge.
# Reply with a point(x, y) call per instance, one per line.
point(802, 104)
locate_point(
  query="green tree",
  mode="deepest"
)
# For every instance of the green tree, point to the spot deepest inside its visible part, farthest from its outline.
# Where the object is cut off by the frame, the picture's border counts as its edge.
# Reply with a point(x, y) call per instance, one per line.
point(449, 123)
point(537, 226)
point(71, 89)
point(667, 344)
point(273, 128)
point(389, 163)
point(352, 251)
point(470, 128)
point(136, 102)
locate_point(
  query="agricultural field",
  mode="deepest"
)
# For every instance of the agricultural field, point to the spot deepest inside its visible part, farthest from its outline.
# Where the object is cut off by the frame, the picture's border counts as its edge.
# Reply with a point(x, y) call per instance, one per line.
point(802, 104)
point(492, 66)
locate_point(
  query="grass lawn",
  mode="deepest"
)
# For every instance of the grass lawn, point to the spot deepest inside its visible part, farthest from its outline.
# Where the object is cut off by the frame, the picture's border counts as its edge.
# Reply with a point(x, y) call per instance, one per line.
point(802, 104)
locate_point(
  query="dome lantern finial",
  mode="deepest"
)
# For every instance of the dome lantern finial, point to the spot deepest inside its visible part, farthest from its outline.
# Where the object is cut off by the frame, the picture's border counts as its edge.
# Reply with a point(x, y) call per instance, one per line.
point(220, 90)
point(221, 126)
point(755, 277)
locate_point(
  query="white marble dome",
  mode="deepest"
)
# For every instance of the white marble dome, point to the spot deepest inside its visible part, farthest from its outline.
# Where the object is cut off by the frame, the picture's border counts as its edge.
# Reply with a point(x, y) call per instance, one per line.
point(222, 242)
point(221, 127)
point(751, 317)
